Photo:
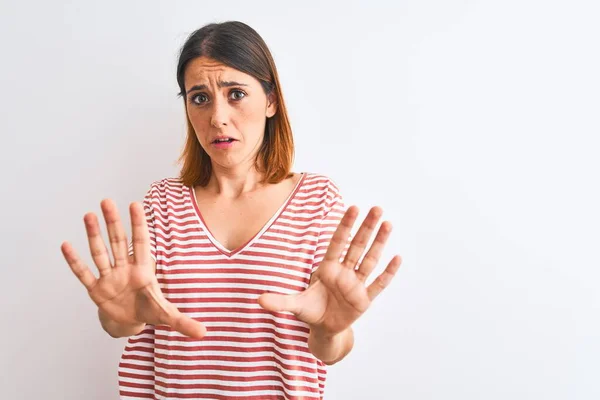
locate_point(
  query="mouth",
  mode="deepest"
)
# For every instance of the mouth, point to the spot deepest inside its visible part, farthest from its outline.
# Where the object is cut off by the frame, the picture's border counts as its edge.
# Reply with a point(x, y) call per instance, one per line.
point(223, 140)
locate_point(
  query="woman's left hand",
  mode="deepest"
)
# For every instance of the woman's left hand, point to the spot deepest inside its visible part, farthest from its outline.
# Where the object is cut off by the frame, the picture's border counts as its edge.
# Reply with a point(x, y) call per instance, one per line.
point(337, 295)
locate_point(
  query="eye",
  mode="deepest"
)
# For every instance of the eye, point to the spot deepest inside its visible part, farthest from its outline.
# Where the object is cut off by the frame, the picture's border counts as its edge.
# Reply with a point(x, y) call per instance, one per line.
point(237, 94)
point(199, 99)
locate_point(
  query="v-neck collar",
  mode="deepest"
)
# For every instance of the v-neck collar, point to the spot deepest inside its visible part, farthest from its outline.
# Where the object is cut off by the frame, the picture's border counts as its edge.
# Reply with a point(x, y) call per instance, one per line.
point(266, 226)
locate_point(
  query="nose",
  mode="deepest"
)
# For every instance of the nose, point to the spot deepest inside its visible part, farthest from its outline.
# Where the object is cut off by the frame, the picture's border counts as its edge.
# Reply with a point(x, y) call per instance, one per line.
point(220, 114)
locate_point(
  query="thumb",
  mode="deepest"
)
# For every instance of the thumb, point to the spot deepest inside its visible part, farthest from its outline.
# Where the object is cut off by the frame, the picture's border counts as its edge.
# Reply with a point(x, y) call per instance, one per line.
point(279, 302)
point(187, 326)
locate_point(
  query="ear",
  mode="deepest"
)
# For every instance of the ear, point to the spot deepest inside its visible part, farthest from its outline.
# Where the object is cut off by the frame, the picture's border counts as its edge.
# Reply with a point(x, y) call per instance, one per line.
point(271, 104)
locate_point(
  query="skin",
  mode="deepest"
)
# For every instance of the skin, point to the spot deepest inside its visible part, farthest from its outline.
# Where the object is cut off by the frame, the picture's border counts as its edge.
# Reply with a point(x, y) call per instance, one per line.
point(221, 101)
point(216, 106)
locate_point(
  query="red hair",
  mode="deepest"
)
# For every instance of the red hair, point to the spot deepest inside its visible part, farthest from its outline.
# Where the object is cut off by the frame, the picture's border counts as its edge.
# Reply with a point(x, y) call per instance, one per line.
point(238, 46)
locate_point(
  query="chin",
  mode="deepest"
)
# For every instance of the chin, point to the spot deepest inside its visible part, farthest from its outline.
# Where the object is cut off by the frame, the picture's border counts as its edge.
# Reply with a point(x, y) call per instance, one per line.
point(227, 162)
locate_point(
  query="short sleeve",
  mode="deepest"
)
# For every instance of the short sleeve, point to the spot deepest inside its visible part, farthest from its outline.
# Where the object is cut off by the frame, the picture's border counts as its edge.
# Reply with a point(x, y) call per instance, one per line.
point(150, 221)
point(333, 211)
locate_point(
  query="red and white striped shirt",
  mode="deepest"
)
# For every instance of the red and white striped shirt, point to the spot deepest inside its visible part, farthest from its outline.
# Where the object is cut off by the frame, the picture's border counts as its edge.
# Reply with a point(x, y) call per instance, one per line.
point(248, 352)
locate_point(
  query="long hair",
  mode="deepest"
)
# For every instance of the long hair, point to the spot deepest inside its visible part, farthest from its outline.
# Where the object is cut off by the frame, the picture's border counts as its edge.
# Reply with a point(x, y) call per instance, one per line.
point(238, 46)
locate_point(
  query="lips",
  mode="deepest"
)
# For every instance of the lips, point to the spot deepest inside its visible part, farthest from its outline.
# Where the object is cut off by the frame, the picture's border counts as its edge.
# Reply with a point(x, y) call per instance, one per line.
point(223, 139)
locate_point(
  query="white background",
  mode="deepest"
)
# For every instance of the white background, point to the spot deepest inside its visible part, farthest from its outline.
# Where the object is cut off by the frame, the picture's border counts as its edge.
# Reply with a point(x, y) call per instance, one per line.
point(474, 124)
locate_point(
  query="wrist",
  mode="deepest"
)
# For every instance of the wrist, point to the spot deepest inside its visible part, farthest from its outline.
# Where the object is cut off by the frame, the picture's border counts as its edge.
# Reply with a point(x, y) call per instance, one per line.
point(330, 347)
point(323, 335)
point(118, 330)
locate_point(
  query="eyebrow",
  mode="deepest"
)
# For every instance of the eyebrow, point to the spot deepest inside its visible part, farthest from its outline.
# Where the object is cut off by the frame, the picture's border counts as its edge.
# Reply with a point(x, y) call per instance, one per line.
point(221, 84)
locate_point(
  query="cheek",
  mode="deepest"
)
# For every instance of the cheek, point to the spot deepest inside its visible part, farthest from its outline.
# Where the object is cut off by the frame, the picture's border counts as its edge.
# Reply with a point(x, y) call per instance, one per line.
point(200, 122)
point(196, 116)
point(252, 115)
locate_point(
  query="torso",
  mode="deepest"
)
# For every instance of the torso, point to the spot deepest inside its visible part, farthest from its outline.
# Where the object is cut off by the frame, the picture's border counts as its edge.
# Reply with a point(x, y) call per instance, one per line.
point(234, 222)
point(266, 351)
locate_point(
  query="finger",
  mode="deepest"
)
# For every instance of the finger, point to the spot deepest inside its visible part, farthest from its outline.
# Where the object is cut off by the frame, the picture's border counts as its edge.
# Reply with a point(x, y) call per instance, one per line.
point(384, 279)
point(374, 254)
point(116, 233)
point(140, 235)
point(360, 241)
point(279, 302)
point(96, 243)
point(340, 236)
point(186, 325)
point(81, 271)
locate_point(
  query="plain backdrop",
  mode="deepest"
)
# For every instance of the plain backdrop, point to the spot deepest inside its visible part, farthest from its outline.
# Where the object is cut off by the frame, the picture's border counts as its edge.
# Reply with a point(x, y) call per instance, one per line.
point(474, 124)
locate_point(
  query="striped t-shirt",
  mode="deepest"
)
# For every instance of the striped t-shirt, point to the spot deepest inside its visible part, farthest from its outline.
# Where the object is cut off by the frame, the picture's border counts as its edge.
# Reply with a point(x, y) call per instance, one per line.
point(248, 352)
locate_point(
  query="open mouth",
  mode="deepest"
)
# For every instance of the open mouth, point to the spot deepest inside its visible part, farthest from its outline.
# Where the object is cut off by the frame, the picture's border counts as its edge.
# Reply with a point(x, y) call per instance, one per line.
point(223, 140)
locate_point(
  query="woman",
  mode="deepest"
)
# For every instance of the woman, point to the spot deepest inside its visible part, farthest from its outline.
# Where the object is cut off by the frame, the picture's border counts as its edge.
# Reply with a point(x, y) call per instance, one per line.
point(235, 284)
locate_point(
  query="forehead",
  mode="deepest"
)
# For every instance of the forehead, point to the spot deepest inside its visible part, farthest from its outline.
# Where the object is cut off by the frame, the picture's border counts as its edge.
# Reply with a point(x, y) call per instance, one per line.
point(203, 70)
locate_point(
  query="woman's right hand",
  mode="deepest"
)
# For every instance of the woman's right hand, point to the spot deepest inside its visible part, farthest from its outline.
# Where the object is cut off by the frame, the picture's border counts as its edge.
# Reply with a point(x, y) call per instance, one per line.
point(126, 291)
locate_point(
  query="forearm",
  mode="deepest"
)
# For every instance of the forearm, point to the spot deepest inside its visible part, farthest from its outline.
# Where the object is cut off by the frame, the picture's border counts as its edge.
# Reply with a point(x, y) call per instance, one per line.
point(118, 330)
point(331, 349)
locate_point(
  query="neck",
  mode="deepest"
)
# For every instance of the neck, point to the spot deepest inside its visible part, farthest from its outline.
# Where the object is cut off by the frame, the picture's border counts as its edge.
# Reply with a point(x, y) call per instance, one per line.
point(233, 183)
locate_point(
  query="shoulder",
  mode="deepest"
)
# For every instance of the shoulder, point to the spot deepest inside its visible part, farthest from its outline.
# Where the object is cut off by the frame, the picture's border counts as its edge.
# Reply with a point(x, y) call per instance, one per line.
point(163, 189)
point(321, 186)
point(321, 191)
point(167, 184)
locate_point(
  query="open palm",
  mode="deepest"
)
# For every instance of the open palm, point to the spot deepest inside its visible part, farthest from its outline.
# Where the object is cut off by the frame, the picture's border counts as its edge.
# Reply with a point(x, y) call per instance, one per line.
point(126, 291)
point(337, 295)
